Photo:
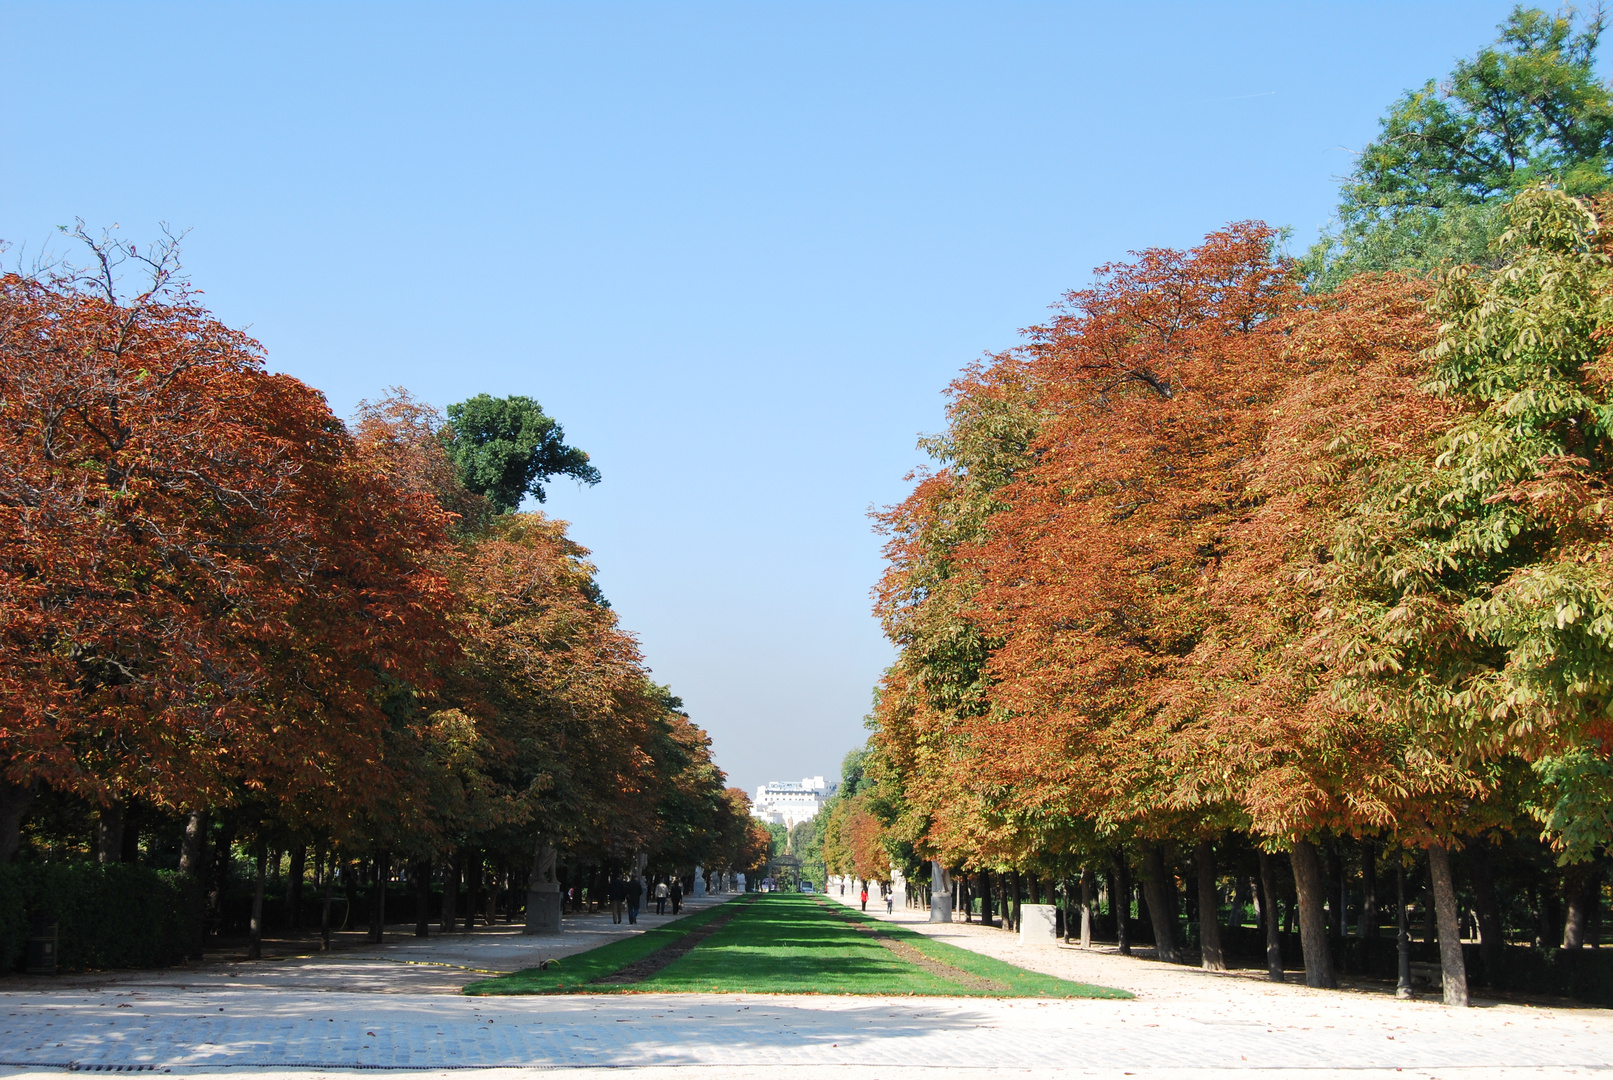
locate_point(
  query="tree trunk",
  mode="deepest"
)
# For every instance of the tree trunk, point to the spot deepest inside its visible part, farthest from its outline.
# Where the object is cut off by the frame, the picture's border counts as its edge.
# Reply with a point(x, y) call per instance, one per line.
point(324, 909)
point(14, 800)
point(1453, 970)
point(473, 885)
point(1578, 881)
point(260, 853)
point(1161, 912)
point(1268, 917)
point(1368, 925)
point(191, 849)
point(1340, 882)
point(1492, 942)
point(131, 834)
point(298, 870)
point(987, 908)
point(422, 898)
point(382, 871)
point(220, 867)
point(1209, 917)
point(450, 892)
point(109, 833)
point(1122, 904)
point(1312, 916)
point(1240, 898)
point(1086, 908)
point(1402, 932)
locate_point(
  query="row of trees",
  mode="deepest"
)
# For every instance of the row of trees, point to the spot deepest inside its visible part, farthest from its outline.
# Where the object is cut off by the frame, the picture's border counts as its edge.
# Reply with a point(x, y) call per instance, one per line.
point(1245, 556)
point(228, 617)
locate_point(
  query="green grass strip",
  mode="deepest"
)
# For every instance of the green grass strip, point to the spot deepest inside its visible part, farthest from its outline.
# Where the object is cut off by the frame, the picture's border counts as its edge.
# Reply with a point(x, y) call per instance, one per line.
point(570, 974)
point(788, 944)
point(1021, 983)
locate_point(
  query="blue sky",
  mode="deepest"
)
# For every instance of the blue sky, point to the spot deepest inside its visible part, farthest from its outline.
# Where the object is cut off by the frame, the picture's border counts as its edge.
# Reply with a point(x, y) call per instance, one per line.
point(738, 250)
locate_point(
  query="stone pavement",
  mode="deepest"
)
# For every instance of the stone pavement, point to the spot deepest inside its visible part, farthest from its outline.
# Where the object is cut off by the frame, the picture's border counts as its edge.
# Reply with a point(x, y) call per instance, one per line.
point(312, 1016)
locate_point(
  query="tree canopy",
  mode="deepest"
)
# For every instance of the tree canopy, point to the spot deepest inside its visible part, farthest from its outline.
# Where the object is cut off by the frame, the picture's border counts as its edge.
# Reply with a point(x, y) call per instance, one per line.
point(507, 448)
point(1427, 190)
point(223, 611)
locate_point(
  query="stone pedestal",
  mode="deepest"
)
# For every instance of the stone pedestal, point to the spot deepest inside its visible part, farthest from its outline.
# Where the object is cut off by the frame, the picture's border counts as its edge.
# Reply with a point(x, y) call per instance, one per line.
point(543, 908)
point(739, 882)
point(699, 883)
point(1038, 924)
point(940, 893)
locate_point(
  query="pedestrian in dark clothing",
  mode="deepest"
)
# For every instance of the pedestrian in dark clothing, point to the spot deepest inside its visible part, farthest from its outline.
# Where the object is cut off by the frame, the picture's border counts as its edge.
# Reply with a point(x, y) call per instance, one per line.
point(676, 895)
point(635, 893)
point(618, 893)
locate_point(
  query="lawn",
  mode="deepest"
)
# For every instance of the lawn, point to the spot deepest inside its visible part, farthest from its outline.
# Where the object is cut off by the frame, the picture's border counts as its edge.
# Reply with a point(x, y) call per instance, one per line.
point(787, 944)
point(570, 973)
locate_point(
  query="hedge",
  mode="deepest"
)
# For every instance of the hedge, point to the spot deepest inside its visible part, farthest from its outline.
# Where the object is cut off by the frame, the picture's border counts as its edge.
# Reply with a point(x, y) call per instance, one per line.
point(113, 916)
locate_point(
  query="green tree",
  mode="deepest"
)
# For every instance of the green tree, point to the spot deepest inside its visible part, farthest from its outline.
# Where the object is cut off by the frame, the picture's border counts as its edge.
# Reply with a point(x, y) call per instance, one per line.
point(1429, 189)
point(505, 448)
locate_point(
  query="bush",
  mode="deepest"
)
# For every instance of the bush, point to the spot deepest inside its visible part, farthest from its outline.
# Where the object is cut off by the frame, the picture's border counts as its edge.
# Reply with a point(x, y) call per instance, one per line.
point(108, 916)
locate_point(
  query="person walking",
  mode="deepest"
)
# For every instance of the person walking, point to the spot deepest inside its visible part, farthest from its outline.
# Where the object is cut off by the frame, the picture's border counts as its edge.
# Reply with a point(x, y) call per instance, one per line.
point(618, 893)
point(865, 896)
point(890, 901)
point(677, 895)
point(635, 893)
point(661, 892)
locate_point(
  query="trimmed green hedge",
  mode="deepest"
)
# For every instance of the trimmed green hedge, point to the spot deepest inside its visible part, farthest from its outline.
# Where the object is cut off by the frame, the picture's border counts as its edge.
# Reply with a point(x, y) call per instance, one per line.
point(112, 916)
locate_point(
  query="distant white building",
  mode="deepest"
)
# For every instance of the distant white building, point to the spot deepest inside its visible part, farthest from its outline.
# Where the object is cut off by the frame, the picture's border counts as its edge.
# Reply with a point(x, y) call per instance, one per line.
point(788, 804)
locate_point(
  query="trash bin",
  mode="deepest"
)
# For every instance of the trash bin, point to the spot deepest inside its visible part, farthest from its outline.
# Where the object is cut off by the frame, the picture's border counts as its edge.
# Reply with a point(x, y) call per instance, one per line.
point(42, 946)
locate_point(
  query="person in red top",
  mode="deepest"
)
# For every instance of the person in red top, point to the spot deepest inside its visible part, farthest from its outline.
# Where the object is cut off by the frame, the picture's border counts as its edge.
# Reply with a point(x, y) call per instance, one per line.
point(865, 898)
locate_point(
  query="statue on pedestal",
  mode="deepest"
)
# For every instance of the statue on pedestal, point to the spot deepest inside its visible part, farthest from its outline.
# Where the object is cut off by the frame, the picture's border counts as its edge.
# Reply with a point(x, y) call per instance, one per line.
point(543, 902)
point(940, 892)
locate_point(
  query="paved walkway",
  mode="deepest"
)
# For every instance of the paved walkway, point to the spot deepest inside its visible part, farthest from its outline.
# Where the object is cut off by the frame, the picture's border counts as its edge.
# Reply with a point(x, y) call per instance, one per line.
point(319, 1014)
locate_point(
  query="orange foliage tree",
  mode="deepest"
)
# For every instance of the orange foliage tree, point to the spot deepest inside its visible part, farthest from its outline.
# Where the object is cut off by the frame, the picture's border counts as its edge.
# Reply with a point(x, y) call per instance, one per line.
point(225, 608)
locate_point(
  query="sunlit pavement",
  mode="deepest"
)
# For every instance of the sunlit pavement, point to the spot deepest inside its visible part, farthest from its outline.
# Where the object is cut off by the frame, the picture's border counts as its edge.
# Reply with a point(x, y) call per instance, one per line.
point(352, 1012)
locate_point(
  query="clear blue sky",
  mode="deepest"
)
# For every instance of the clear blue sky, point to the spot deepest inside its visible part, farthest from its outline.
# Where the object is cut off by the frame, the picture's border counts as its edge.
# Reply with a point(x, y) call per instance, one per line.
point(737, 250)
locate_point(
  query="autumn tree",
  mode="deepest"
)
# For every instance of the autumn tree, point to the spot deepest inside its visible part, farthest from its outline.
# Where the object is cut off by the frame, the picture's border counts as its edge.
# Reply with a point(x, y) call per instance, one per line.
point(1256, 725)
point(939, 680)
point(1156, 379)
point(196, 562)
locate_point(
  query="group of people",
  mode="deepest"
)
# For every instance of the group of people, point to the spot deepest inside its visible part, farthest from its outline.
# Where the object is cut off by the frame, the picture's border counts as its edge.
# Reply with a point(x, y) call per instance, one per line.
point(629, 893)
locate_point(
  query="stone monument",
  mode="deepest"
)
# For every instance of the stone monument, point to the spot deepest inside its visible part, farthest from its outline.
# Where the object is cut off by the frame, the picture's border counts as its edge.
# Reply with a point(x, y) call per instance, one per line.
point(940, 893)
point(699, 890)
point(543, 902)
point(1038, 924)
